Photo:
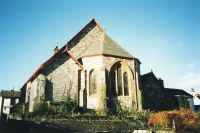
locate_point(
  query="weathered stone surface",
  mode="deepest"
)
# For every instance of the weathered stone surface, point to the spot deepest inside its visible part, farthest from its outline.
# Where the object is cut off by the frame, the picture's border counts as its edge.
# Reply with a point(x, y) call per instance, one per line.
point(63, 76)
point(95, 36)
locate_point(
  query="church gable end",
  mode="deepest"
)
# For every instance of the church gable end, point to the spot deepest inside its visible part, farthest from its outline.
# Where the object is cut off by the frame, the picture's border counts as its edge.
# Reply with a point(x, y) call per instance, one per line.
point(82, 68)
point(90, 35)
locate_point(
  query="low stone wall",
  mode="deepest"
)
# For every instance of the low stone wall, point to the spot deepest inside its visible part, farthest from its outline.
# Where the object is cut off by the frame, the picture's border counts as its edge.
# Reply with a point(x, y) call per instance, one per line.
point(92, 125)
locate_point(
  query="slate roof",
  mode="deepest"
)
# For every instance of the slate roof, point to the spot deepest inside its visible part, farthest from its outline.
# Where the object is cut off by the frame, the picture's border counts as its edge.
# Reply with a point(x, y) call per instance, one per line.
point(107, 47)
point(9, 94)
point(177, 92)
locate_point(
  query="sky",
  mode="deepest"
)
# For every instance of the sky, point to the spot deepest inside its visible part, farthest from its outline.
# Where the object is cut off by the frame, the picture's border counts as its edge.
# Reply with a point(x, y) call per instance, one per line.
point(163, 34)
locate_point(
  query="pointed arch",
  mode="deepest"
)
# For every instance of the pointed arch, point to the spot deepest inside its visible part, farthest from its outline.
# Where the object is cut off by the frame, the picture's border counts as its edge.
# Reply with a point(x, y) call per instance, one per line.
point(126, 84)
point(121, 79)
point(92, 83)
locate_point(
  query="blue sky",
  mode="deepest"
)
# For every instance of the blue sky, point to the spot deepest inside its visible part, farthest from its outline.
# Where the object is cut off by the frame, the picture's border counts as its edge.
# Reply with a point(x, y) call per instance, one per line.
point(163, 34)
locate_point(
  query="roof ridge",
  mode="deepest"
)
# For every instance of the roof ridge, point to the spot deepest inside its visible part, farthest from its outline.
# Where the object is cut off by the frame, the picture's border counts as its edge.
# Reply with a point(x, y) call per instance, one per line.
point(93, 21)
point(101, 28)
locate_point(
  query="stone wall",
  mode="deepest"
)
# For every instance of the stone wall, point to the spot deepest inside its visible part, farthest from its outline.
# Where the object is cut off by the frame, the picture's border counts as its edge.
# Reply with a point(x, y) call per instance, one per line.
point(61, 77)
point(102, 65)
point(132, 100)
point(81, 35)
point(154, 97)
point(95, 36)
point(35, 92)
point(93, 63)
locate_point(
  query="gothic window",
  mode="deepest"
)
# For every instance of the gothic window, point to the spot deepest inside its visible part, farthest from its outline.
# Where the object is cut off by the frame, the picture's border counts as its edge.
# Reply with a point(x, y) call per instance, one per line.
point(113, 83)
point(92, 83)
point(126, 89)
point(119, 80)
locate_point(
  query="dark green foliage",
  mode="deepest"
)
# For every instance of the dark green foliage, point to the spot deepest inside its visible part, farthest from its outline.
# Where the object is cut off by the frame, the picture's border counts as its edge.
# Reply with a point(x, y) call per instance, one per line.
point(183, 102)
point(93, 123)
point(41, 108)
point(117, 109)
point(157, 127)
point(68, 106)
point(17, 110)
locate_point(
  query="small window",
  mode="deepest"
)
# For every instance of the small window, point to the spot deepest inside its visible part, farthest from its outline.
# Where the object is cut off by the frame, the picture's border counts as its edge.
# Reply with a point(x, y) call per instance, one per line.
point(126, 89)
point(92, 83)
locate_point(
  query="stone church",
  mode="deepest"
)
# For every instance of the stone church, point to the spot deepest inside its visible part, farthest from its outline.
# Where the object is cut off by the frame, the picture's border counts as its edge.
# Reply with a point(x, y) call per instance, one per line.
point(92, 69)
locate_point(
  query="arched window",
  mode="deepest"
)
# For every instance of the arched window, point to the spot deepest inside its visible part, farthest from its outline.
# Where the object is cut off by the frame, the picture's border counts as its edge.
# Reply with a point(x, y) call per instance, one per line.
point(113, 83)
point(92, 83)
point(119, 80)
point(126, 89)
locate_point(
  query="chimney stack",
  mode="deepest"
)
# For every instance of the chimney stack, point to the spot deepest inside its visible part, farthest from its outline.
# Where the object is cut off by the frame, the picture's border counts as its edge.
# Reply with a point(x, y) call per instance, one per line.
point(161, 82)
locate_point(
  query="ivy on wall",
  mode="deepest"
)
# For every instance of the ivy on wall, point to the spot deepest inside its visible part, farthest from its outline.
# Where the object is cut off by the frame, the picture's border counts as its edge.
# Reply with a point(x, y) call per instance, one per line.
point(183, 102)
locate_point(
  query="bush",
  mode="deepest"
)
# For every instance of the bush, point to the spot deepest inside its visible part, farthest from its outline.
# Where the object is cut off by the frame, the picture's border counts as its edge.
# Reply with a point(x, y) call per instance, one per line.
point(68, 106)
point(181, 120)
point(17, 110)
point(144, 115)
point(41, 108)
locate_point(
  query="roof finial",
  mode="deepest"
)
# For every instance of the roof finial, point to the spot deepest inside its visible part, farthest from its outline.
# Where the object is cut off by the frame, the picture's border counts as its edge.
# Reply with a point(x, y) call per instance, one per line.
point(56, 49)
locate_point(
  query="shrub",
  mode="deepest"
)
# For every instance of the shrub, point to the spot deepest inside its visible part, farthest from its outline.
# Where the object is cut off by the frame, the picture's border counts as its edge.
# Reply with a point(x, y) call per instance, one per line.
point(17, 110)
point(40, 108)
point(178, 119)
point(144, 115)
point(68, 106)
point(183, 102)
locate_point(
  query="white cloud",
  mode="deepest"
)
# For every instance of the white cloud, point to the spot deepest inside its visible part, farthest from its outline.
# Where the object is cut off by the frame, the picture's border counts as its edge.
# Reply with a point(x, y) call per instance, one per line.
point(188, 81)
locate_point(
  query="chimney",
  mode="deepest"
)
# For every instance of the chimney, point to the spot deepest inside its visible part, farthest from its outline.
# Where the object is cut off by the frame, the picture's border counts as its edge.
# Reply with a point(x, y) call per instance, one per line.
point(161, 82)
point(56, 49)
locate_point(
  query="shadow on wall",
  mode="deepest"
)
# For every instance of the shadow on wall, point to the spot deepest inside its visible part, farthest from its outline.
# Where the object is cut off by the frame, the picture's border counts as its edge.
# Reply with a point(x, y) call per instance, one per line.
point(48, 70)
point(49, 90)
point(112, 101)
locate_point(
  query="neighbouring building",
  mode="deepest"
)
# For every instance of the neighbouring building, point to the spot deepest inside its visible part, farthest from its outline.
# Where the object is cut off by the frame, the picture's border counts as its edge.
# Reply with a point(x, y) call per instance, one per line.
point(92, 69)
point(97, 73)
point(196, 97)
point(8, 98)
point(156, 97)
